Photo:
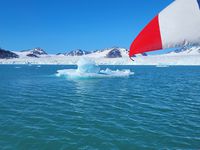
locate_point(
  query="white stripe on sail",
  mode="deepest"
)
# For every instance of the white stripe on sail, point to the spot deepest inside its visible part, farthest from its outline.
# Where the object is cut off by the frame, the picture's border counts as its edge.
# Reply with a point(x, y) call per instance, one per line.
point(180, 24)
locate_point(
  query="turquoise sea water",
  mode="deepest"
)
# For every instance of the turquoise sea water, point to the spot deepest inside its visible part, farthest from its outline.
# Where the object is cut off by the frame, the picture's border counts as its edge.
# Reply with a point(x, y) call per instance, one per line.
point(156, 108)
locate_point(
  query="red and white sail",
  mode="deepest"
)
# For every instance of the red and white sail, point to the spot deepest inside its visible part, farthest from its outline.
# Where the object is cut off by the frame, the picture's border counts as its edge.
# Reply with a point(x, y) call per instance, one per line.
point(177, 25)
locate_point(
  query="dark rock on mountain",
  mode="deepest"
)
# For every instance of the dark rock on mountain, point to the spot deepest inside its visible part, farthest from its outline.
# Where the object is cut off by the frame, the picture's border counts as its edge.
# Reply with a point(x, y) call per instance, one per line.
point(35, 52)
point(143, 54)
point(32, 55)
point(115, 53)
point(187, 49)
point(77, 52)
point(181, 49)
point(4, 54)
point(59, 54)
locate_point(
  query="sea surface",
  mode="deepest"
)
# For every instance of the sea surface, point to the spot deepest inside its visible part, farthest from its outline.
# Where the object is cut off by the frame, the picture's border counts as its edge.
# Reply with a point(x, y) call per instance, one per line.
point(154, 108)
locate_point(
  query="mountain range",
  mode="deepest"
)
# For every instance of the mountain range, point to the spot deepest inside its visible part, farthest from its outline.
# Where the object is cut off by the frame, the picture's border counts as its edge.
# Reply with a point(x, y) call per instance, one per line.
point(108, 56)
point(39, 52)
point(114, 52)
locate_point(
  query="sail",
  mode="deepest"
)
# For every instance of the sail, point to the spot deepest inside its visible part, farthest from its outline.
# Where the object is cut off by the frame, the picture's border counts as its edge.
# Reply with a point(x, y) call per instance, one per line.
point(177, 25)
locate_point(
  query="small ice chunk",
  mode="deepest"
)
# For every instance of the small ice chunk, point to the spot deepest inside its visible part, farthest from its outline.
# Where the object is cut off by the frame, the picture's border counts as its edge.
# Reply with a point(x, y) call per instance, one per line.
point(87, 66)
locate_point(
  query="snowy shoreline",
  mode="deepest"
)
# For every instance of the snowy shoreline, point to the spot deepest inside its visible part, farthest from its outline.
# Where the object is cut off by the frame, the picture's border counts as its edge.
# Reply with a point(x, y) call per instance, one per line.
point(172, 60)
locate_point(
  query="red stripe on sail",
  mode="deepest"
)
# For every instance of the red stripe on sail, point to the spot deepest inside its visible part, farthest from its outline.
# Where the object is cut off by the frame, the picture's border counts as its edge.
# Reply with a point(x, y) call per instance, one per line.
point(148, 40)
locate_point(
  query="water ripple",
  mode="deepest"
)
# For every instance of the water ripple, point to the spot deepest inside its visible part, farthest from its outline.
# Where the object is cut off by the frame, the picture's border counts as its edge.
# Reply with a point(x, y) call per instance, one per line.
point(151, 110)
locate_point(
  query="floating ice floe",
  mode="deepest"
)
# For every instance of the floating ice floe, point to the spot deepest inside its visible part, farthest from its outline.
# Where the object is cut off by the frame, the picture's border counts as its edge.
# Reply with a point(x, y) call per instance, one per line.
point(88, 69)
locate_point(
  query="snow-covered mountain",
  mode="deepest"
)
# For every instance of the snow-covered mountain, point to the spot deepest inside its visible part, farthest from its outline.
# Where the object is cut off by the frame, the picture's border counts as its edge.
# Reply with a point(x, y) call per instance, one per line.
point(194, 50)
point(115, 52)
point(77, 52)
point(36, 53)
point(4, 54)
point(108, 53)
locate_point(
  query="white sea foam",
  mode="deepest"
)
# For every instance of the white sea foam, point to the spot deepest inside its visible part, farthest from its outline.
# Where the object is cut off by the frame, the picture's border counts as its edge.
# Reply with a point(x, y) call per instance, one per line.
point(17, 67)
point(88, 69)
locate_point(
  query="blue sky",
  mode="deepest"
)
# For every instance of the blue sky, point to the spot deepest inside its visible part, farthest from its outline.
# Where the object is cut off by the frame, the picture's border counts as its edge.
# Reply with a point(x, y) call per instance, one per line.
point(62, 25)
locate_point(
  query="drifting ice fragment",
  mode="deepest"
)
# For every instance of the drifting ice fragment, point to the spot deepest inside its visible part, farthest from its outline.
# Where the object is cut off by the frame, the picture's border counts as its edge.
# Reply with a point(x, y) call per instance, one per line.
point(88, 69)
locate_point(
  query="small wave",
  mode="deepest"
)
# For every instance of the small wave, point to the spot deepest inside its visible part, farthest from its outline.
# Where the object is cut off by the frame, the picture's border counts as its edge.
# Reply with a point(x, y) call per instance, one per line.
point(17, 67)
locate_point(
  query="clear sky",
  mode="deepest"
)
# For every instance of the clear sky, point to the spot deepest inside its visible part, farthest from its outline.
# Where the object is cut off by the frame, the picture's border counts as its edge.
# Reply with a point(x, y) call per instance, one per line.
point(62, 25)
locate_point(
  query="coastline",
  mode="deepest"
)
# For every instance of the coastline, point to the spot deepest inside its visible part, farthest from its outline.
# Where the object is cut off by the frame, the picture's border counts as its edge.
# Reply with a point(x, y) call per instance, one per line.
point(171, 60)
